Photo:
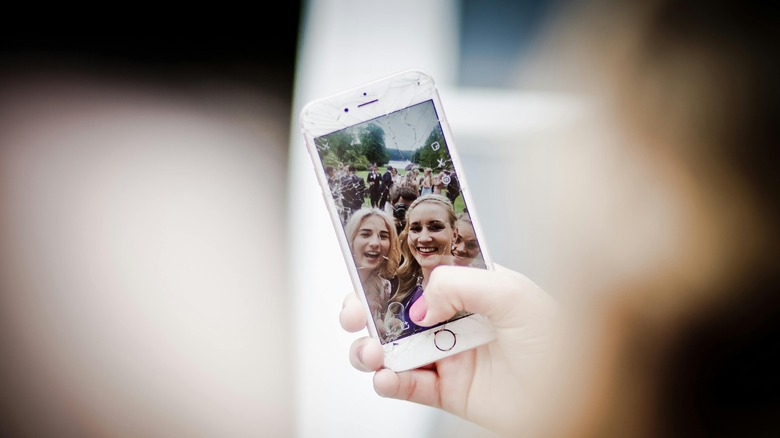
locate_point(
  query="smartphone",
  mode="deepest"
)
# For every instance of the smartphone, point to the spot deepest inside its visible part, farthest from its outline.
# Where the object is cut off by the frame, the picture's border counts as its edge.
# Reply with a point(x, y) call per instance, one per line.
point(397, 195)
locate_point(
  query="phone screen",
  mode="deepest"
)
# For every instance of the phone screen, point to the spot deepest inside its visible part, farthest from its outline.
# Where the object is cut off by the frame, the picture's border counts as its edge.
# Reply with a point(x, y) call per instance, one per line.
point(400, 203)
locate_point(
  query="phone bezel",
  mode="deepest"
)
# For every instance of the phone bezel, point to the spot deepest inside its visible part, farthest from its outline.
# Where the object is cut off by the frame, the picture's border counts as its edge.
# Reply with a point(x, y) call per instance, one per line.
point(358, 105)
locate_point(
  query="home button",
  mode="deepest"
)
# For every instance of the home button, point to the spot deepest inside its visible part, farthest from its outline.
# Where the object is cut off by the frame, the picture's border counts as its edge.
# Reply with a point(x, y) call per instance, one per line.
point(444, 340)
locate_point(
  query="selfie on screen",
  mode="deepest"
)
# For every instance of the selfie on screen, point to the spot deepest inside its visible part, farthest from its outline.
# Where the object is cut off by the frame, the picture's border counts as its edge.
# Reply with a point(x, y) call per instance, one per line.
point(399, 201)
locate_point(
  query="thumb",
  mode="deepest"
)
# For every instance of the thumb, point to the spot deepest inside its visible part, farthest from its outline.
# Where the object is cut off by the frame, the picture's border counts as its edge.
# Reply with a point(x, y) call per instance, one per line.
point(505, 297)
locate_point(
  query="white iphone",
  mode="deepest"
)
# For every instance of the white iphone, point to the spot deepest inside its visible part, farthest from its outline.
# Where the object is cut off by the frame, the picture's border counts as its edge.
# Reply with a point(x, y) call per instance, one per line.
point(397, 195)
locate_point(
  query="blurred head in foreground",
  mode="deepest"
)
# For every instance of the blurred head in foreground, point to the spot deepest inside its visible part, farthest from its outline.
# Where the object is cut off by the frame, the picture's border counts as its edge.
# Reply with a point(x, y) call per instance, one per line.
point(672, 227)
point(135, 270)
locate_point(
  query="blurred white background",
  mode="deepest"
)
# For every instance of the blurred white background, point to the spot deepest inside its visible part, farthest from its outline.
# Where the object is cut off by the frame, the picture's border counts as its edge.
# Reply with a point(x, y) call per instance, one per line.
point(505, 118)
point(167, 266)
point(143, 286)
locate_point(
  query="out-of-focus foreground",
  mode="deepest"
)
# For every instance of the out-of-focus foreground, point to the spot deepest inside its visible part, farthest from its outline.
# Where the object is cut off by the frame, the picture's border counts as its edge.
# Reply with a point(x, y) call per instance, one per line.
point(142, 264)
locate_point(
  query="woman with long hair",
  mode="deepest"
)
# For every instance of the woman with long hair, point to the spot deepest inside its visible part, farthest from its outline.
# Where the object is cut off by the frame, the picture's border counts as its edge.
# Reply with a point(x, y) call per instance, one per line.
point(410, 180)
point(374, 244)
point(438, 184)
point(426, 242)
point(465, 250)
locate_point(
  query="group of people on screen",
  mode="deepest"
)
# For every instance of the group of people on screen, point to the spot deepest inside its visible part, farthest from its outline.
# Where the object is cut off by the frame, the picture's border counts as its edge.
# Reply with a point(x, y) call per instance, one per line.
point(395, 254)
point(353, 192)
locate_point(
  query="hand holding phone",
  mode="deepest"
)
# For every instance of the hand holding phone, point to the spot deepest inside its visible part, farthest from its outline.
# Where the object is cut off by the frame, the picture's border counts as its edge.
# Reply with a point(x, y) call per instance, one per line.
point(500, 385)
point(400, 205)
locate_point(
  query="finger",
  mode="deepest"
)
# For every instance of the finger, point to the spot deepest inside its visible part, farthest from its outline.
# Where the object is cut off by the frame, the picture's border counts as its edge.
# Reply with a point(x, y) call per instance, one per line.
point(366, 354)
point(352, 316)
point(504, 296)
point(418, 386)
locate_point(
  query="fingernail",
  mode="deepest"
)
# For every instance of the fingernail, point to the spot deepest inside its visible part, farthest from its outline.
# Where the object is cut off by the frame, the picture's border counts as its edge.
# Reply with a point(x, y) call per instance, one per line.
point(419, 309)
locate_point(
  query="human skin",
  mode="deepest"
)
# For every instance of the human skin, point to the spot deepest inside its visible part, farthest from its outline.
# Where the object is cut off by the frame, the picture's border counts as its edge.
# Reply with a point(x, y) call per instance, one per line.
point(466, 246)
point(371, 245)
point(430, 237)
point(485, 384)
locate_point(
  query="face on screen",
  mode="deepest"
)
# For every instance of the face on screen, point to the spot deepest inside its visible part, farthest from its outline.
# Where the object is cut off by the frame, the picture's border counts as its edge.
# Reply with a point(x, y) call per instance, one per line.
point(399, 200)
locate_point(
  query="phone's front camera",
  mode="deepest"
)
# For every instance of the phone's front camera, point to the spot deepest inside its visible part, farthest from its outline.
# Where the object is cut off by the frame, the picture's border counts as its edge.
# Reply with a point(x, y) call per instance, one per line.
point(346, 110)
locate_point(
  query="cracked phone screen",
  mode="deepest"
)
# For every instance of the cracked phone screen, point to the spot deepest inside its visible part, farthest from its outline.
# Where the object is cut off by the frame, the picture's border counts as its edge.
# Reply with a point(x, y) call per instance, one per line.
point(397, 196)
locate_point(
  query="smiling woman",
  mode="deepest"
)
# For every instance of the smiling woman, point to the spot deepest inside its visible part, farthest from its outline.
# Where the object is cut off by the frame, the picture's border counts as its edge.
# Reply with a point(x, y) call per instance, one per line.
point(374, 245)
point(465, 250)
point(426, 242)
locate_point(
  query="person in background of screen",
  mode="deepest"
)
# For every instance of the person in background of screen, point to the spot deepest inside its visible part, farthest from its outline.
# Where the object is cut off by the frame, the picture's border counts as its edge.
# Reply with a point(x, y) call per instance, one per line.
point(387, 186)
point(410, 179)
point(426, 182)
point(398, 179)
point(352, 192)
point(375, 248)
point(465, 250)
point(402, 198)
point(333, 183)
point(438, 185)
point(452, 185)
point(667, 317)
point(374, 180)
